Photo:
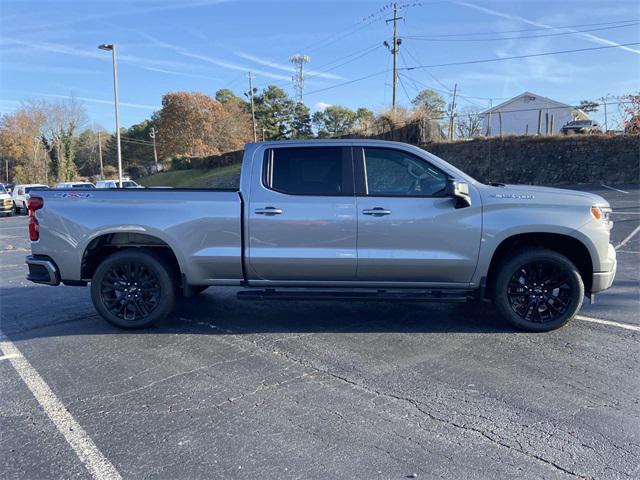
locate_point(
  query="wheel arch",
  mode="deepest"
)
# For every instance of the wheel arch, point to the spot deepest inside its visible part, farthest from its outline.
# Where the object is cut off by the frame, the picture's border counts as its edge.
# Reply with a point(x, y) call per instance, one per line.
point(103, 245)
point(569, 246)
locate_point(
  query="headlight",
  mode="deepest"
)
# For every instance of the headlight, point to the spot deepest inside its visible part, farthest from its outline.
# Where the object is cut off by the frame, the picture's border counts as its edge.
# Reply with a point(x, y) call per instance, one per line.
point(602, 214)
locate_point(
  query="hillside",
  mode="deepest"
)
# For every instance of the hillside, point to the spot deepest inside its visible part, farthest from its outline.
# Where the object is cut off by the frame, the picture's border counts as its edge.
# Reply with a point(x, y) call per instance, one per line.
point(222, 177)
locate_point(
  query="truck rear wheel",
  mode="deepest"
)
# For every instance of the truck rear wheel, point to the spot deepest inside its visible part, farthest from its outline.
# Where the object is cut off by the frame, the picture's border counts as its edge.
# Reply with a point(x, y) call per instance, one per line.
point(133, 288)
point(538, 290)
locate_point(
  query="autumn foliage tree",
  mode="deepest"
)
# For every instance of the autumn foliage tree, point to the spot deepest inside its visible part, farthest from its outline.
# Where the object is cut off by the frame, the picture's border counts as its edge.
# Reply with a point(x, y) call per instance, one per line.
point(194, 124)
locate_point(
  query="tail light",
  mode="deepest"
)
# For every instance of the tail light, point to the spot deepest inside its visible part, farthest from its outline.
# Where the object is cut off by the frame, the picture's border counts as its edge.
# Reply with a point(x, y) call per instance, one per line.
point(35, 203)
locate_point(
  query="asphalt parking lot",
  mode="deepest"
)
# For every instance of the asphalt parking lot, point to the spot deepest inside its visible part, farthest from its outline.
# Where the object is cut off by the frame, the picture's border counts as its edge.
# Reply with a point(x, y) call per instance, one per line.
point(231, 389)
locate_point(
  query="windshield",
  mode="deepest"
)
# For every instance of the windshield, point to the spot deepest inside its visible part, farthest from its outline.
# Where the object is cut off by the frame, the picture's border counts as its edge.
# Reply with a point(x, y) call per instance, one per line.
point(83, 185)
point(40, 187)
point(2, 189)
point(129, 184)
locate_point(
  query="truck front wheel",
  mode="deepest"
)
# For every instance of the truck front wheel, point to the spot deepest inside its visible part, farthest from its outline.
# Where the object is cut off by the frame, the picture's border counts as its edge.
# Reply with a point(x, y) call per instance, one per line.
point(538, 290)
point(133, 288)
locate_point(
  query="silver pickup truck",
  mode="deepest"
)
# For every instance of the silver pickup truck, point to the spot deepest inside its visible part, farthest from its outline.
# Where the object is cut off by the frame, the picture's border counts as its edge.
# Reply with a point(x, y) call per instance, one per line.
point(329, 219)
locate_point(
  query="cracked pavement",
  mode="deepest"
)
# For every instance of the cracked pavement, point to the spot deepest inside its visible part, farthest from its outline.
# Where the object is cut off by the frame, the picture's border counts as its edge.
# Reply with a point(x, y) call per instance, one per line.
point(236, 389)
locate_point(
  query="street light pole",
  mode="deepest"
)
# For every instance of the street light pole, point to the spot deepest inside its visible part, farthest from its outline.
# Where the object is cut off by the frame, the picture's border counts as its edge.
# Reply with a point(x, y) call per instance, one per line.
point(112, 47)
point(152, 134)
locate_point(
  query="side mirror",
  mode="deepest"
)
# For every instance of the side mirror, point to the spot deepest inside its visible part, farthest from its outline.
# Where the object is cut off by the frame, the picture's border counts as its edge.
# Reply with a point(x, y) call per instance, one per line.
point(460, 193)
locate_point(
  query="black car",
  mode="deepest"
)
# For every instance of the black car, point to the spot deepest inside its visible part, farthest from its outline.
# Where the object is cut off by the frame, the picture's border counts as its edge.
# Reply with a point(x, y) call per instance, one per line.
point(580, 126)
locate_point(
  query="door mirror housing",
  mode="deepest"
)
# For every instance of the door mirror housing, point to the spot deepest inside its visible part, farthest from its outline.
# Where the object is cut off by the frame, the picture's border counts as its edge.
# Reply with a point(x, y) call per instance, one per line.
point(460, 193)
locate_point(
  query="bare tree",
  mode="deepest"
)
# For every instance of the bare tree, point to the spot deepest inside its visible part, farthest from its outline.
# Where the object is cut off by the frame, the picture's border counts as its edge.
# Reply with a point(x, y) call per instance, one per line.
point(64, 118)
point(469, 122)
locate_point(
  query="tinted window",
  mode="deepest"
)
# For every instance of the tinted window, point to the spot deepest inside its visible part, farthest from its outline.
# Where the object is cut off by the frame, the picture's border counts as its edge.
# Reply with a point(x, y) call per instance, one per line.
point(392, 172)
point(126, 184)
point(310, 171)
point(28, 189)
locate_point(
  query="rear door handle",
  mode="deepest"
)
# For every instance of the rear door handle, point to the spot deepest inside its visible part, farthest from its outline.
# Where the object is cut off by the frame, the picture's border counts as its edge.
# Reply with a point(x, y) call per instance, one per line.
point(377, 212)
point(269, 211)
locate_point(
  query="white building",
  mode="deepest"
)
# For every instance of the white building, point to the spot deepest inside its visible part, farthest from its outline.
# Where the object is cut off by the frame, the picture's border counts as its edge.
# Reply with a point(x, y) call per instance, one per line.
point(521, 114)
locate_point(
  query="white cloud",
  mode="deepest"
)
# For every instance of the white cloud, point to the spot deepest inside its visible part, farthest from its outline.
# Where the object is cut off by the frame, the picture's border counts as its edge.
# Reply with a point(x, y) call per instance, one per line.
point(286, 68)
point(231, 66)
point(320, 106)
point(101, 101)
point(587, 36)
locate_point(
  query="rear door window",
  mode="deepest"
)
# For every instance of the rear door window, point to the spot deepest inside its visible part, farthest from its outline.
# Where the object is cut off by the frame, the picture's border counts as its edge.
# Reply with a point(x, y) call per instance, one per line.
point(320, 171)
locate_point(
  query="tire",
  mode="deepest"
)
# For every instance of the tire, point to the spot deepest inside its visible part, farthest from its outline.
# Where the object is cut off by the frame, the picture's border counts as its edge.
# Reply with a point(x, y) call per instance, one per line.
point(522, 299)
point(16, 210)
point(119, 299)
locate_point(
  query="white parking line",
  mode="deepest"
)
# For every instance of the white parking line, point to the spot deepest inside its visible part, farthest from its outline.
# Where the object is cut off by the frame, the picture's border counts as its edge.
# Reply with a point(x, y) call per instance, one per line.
point(627, 238)
point(613, 188)
point(626, 326)
point(95, 462)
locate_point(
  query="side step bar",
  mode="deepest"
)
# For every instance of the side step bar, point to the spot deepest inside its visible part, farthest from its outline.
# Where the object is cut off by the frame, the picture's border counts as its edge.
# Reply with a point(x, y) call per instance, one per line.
point(367, 295)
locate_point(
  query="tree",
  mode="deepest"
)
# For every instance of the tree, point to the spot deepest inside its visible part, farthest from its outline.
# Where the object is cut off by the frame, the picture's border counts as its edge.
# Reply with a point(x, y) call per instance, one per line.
point(63, 119)
point(186, 124)
point(430, 101)
point(365, 121)
point(631, 119)
point(301, 122)
point(21, 142)
point(224, 96)
point(469, 122)
point(588, 106)
point(274, 113)
point(334, 120)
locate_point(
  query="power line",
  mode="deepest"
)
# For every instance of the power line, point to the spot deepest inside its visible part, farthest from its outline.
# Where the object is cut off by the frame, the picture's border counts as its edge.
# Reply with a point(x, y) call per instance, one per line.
point(522, 37)
point(468, 34)
point(349, 82)
point(500, 59)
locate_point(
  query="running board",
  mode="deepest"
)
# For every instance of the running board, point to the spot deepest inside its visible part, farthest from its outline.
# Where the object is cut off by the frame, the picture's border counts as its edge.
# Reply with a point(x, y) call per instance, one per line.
point(379, 295)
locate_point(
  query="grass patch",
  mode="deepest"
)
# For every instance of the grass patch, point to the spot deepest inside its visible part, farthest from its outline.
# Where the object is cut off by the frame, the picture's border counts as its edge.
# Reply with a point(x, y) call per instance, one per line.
point(222, 177)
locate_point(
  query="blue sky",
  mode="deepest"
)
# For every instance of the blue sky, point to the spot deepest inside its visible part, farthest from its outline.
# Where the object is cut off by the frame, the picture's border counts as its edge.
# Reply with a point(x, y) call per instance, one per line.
point(48, 50)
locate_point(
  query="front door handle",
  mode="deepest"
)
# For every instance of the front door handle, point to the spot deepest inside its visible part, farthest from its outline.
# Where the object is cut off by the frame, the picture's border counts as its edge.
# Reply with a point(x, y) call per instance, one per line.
point(269, 211)
point(377, 212)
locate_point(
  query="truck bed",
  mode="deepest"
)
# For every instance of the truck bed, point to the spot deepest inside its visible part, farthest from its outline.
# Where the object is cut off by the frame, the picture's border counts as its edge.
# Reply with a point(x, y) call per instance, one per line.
point(200, 226)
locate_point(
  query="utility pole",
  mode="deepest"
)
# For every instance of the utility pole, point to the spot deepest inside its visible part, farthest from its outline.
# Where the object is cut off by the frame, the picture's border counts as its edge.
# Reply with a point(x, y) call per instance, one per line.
point(394, 51)
point(100, 156)
point(253, 110)
point(152, 134)
point(298, 77)
point(452, 111)
point(606, 124)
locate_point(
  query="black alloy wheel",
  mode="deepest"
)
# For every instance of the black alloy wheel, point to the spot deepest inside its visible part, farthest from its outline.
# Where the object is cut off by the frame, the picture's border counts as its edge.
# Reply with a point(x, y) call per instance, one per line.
point(538, 290)
point(133, 288)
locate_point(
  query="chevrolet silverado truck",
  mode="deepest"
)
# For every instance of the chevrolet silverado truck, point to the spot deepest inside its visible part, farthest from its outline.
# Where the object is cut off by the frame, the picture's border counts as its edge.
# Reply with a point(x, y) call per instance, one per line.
point(329, 219)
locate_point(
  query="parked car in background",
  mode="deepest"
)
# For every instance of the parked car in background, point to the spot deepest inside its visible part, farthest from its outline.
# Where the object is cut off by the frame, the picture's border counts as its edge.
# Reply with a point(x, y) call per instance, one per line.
point(6, 204)
point(580, 126)
point(20, 196)
point(8, 187)
point(126, 183)
point(330, 219)
point(75, 185)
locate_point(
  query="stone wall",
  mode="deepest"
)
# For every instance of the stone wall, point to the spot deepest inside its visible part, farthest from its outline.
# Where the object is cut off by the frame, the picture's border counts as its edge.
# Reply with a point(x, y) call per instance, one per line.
point(546, 160)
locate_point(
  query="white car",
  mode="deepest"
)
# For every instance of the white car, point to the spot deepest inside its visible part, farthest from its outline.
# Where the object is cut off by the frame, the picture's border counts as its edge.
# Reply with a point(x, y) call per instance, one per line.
point(75, 185)
point(6, 204)
point(126, 183)
point(20, 196)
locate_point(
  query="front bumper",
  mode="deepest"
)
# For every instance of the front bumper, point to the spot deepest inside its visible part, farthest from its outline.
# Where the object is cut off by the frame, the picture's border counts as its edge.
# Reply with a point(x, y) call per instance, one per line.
point(603, 280)
point(42, 270)
point(6, 207)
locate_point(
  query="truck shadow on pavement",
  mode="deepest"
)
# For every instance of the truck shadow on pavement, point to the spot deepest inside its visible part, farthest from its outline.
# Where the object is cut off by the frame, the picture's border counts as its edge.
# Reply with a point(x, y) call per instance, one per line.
point(218, 312)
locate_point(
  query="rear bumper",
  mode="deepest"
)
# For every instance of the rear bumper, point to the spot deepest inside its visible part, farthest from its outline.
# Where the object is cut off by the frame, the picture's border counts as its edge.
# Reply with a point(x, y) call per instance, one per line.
point(603, 280)
point(42, 270)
